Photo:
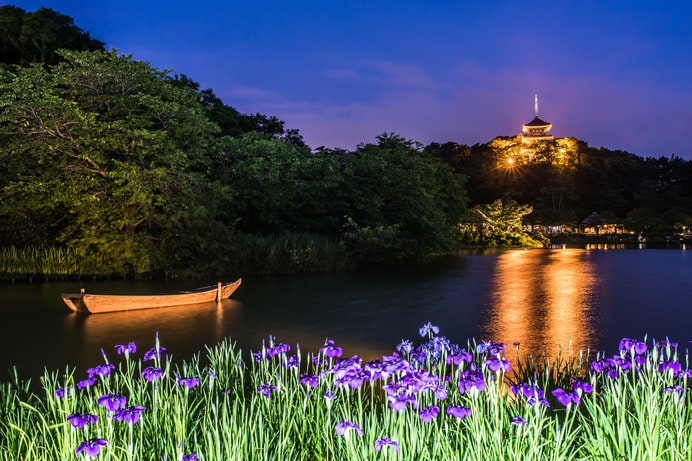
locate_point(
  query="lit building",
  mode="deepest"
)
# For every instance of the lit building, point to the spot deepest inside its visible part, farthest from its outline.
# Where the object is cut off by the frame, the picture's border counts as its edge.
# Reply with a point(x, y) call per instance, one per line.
point(536, 129)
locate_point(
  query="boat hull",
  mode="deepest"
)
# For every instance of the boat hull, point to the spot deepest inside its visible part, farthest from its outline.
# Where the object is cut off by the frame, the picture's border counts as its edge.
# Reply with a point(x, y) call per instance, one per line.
point(96, 304)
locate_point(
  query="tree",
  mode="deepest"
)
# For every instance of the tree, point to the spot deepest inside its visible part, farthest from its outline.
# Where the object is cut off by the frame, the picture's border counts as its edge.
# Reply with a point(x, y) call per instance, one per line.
point(103, 154)
point(498, 224)
point(36, 37)
point(279, 186)
point(398, 192)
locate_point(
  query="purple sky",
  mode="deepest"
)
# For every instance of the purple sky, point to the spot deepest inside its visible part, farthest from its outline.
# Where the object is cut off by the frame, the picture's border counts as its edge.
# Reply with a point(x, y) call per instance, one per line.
point(616, 74)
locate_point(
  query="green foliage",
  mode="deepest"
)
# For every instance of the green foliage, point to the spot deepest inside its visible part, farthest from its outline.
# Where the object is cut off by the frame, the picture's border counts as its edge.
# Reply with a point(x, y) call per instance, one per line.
point(499, 224)
point(388, 202)
point(105, 156)
point(405, 198)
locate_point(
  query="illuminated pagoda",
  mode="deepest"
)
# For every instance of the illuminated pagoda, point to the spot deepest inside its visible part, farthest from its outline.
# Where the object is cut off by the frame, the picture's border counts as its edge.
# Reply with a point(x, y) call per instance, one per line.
point(536, 129)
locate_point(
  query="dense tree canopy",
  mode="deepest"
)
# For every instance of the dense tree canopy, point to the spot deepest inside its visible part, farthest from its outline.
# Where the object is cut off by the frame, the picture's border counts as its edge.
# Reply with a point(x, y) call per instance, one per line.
point(36, 37)
point(101, 153)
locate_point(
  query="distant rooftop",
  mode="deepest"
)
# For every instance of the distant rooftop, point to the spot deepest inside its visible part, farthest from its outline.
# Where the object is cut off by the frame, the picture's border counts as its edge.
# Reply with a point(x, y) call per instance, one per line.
point(537, 122)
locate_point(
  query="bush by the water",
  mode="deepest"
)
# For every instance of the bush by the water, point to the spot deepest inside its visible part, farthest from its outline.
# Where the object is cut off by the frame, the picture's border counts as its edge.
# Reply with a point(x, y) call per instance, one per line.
point(434, 400)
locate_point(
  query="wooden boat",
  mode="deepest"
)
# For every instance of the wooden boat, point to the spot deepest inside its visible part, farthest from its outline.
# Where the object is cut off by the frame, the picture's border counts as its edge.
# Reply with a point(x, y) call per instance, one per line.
point(95, 304)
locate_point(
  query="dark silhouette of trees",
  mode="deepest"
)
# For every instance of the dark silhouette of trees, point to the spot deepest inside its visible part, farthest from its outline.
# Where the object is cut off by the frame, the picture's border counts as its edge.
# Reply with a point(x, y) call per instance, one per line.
point(27, 38)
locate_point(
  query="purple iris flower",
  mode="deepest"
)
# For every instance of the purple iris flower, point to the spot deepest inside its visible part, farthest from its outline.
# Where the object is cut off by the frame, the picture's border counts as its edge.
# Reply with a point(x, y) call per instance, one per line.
point(518, 421)
point(664, 366)
point(490, 348)
point(405, 346)
point(266, 389)
point(80, 420)
point(190, 457)
point(667, 343)
point(100, 370)
point(345, 366)
point(86, 383)
point(291, 362)
point(348, 372)
point(632, 345)
point(427, 414)
point(112, 402)
point(354, 378)
point(330, 350)
point(152, 373)
point(677, 388)
point(278, 349)
point(527, 390)
point(91, 447)
point(428, 330)
point(459, 357)
point(343, 426)
point(416, 381)
point(61, 392)
point(606, 366)
point(582, 386)
point(400, 401)
point(383, 442)
point(188, 382)
point(329, 395)
point(436, 347)
point(565, 397)
point(309, 380)
point(375, 370)
point(470, 380)
point(129, 415)
point(395, 364)
point(127, 349)
point(458, 412)
point(441, 392)
point(495, 364)
point(154, 353)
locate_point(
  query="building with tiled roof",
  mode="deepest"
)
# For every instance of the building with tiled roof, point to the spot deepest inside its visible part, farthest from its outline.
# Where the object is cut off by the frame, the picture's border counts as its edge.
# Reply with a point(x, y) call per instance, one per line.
point(536, 129)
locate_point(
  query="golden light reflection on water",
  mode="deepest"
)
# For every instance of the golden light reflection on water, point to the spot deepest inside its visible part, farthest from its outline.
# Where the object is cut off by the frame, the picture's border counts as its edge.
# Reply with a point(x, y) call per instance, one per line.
point(543, 300)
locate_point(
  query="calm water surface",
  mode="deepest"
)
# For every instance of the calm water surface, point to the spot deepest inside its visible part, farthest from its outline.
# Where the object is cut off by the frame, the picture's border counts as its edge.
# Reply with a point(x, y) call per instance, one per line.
point(543, 299)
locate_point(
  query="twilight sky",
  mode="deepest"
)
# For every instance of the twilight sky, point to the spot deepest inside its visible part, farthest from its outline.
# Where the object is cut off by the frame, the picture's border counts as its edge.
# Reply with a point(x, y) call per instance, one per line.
point(616, 74)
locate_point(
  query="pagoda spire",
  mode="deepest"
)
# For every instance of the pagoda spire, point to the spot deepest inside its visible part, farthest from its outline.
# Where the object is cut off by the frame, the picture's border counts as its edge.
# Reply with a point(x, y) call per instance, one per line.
point(535, 104)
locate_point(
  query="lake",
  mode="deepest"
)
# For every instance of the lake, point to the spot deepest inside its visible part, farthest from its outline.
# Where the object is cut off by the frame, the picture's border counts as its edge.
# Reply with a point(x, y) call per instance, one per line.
point(542, 299)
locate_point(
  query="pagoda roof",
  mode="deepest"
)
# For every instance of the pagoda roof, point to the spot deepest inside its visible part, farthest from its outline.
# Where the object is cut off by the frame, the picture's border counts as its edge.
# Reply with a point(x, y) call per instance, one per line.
point(537, 122)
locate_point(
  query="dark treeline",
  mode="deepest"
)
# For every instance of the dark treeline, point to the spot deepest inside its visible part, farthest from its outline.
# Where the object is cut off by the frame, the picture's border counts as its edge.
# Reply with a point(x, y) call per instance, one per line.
point(138, 171)
point(565, 181)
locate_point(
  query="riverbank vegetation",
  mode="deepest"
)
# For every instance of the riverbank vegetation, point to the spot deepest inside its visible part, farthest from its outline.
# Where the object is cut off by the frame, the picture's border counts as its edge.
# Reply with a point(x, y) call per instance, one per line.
point(431, 400)
point(138, 172)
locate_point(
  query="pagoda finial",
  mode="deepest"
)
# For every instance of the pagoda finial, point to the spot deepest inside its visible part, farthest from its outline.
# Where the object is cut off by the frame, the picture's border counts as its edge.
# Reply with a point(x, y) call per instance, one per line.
point(535, 104)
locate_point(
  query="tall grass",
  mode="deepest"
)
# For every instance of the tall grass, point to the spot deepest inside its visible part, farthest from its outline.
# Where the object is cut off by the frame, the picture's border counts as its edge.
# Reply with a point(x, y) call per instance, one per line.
point(286, 253)
point(430, 401)
point(47, 263)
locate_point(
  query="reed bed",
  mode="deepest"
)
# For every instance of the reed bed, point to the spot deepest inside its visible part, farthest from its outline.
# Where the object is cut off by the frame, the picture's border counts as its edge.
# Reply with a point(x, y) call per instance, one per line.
point(427, 401)
point(46, 263)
